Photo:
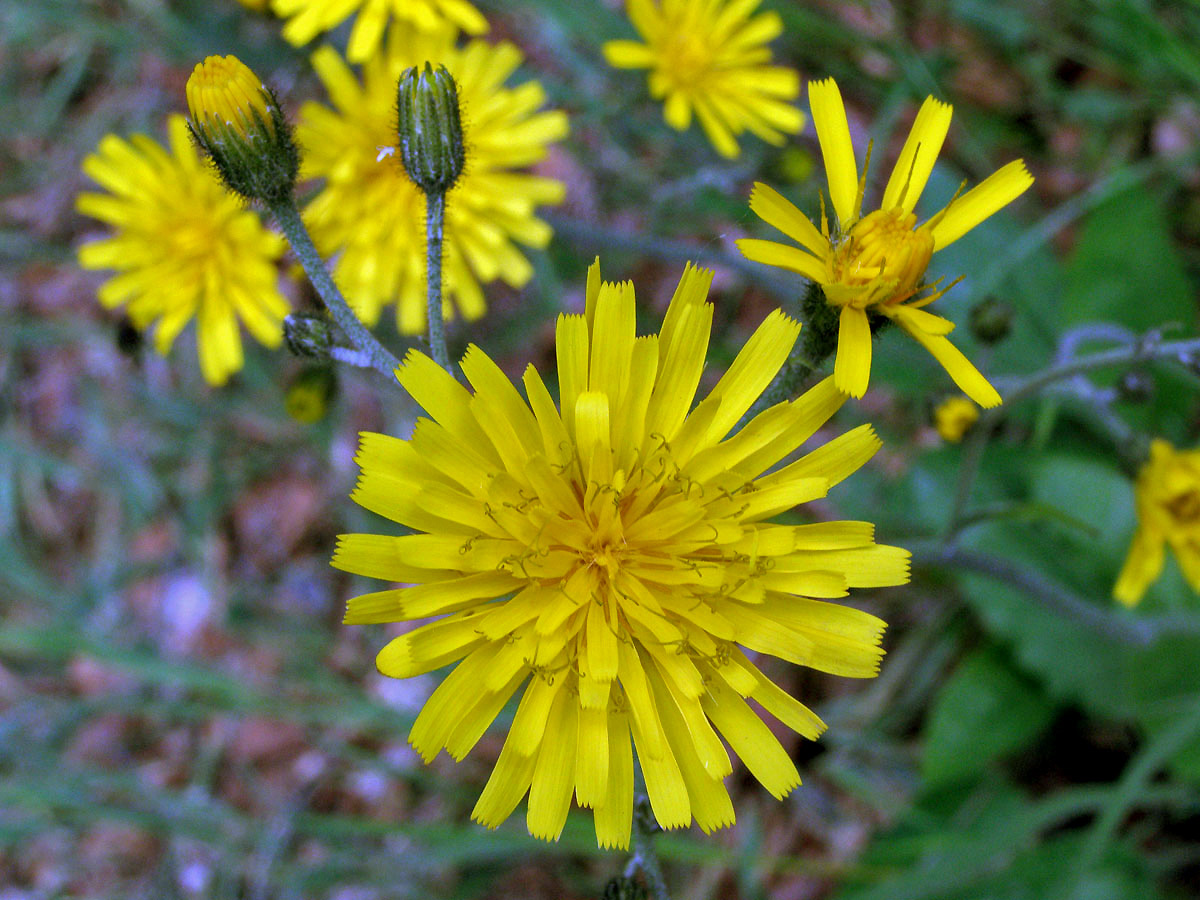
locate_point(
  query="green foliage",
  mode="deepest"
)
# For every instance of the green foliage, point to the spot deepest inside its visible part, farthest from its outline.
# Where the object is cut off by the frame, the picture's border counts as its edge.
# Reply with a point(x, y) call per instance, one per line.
point(984, 712)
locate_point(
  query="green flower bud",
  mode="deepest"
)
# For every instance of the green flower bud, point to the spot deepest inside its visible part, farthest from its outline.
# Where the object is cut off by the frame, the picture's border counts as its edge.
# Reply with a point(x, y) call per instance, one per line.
point(307, 334)
point(990, 320)
point(237, 121)
point(430, 128)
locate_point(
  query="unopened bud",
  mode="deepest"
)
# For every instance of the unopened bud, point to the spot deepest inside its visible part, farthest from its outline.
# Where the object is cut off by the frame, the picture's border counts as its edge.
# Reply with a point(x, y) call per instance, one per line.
point(237, 121)
point(307, 334)
point(430, 128)
point(990, 320)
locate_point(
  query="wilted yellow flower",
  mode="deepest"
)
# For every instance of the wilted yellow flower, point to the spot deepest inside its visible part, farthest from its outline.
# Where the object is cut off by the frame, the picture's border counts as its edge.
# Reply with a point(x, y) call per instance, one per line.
point(308, 18)
point(875, 264)
point(1168, 509)
point(184, 247)
point(953, 417)
point(372, 217)
point(609, 560)
point(711, 57)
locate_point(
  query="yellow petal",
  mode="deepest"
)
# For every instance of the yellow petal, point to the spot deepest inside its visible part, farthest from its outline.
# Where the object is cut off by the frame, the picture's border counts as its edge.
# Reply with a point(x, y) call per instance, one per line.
point(774, 209)
point(916, 159)
point(554, 776)
point(615, 815)
point(1143, 564)
point(783, 256)
point(958, 367)
point(751, 740)
point(995, 192)
point(852, 368)
point(833, 133)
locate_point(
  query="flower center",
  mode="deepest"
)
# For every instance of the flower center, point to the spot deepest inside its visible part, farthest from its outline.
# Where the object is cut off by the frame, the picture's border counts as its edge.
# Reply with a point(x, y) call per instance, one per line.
point(885, 254)
point(690, 59)
point(1185, 507)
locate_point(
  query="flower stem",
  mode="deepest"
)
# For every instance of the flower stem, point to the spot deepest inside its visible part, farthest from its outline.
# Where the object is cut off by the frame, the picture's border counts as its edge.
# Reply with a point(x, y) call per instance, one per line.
point(378, 356)
point(435, 225)
point(1148, 348)
point(644, 858)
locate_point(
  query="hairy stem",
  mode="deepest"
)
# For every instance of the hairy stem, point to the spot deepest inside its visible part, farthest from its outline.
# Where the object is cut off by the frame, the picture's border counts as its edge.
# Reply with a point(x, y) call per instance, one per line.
point(644, 858)
point(435, 226)
point(378, 356)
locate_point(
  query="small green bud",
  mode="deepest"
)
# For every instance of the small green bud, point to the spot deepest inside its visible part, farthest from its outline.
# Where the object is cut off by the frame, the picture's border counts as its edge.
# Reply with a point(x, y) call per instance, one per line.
point(990, 320)
point(307, 334)
point(237, 122)
point(430, 128)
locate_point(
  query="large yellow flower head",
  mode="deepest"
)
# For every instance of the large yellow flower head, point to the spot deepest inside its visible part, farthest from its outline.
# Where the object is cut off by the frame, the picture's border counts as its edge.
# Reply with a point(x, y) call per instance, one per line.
point(372, 217)
point(613, 559)
point(308, 18)
point(875, 264)
point(711, 57)
point(184, 247)
point(1168, 509)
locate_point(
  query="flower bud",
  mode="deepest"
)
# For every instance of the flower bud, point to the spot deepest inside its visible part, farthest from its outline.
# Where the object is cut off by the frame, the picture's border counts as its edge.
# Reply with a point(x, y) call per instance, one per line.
point(308, 335)
point(237, 121)
point(430, 128)
point(990, 320)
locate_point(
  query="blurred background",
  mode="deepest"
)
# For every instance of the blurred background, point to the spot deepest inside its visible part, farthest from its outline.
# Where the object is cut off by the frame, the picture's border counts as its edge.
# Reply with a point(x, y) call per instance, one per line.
point(182, 715)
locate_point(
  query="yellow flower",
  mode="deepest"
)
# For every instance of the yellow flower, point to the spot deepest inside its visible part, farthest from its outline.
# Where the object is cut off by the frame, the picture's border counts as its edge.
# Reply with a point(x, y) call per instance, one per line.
point(610, 561)
point(184, 247)
point(875, 264)
point(308, 18)
point(373, 217)
point(711, 57)
point(223, 92)
point(1168, 508)
point(953, 417)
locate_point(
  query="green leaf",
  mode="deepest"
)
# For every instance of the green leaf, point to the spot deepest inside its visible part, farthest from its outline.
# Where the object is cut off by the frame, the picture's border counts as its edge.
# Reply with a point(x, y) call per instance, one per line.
point(987, 710)
point(1126, 268)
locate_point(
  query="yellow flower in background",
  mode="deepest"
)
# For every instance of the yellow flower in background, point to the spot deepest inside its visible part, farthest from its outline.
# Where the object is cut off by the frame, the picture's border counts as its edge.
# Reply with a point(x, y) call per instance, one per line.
point(875, 264)
point(255, 5)
point(372, 217)
point(184, 248)
point(308, 18)
point(710, 57)
point(609, 560)
point(954, 417)
point(1167, 494)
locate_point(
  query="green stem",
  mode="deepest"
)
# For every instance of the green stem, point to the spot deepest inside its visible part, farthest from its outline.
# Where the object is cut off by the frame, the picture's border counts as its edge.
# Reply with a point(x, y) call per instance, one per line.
point(644, 858)
point(379, 357)
point(435, 226)
point(1147, 348)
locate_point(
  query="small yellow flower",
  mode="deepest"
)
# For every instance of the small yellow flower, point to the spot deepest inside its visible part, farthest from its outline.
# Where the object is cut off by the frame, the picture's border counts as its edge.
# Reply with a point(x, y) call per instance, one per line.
point(223, 92)
point(308, 18)
point(370, 215)
point(710, 57)
point(184, 247)
point(1168, 507)
point(875, 264)
point(953, 417)
point(608, 560)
